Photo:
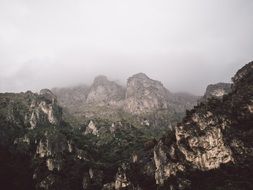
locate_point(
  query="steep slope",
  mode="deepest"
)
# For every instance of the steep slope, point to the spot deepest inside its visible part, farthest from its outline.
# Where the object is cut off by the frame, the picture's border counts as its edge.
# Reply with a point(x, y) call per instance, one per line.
point(36, 109)
point(39, 150)
point(145, 95)
point(104, 92)
point(20, 116)
point(144, 102)
point(216, 91)
point(81, 103)
point(212, 148)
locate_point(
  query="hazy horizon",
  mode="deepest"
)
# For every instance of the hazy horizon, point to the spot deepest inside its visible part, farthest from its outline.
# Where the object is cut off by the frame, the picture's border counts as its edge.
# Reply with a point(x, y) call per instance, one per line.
point(185, 44)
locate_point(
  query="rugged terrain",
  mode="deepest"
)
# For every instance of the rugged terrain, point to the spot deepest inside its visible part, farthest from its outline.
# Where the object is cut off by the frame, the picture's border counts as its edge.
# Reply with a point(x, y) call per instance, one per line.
point(39, 150)
point(142, 102)
point(211, 148)
point(216, 91)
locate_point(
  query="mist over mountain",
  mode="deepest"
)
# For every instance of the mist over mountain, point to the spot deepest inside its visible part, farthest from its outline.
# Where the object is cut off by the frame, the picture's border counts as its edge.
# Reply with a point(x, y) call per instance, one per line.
point(126, 95)
point(185, 44)
point(142, 97)
point(141, 136)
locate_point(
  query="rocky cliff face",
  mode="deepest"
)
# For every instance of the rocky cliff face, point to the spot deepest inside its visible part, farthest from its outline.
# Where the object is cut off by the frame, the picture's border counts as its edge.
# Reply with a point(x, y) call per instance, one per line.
point(37, 109)
point(145, 95)
point(39, 150)
point(104, 92)
point(25, 120)
point(213, 136)
point(45, 109)
point(217, 91)
point(211, 148)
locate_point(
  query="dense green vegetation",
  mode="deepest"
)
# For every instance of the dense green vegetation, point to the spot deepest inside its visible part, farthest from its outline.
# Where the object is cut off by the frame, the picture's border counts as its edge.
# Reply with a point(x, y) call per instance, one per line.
point(103, 153)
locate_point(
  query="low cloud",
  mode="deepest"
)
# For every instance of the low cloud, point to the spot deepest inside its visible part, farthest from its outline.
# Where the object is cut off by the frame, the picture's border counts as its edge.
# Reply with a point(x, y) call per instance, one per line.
point(184, 44)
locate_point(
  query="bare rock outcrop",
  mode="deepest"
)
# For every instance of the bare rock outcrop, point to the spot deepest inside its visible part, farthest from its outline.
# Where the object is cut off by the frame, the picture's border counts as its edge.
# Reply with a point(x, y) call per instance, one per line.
point(217, 91)
point(144, 94)
point(212, 135)
point(105, 92)
point(107, 99)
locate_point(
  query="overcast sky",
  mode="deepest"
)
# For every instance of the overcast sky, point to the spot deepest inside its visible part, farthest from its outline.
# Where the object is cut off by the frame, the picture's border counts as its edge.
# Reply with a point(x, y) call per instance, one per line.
point(186, 44)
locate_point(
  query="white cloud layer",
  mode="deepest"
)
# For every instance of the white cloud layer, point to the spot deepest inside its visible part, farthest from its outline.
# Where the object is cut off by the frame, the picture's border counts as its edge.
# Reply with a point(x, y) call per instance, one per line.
point(186, 44)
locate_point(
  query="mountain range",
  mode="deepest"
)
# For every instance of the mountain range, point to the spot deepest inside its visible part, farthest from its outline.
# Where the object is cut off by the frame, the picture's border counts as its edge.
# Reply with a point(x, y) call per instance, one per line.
point(138, 137)
point(142, 97)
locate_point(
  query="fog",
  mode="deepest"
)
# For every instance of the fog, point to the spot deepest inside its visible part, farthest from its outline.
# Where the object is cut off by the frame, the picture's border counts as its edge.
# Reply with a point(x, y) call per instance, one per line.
point(186, 44)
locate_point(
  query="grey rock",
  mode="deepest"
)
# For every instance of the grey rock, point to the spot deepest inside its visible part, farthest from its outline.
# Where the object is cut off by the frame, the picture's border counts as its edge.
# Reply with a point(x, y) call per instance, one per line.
point(217, 90)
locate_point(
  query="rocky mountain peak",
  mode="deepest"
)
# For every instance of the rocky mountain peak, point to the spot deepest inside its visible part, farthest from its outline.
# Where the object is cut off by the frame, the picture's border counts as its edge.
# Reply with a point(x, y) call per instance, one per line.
point(47, 94)
point(245, 73)
point(143, 93)
point(212, 136)
point(104, 91)
point(140, 76)
point(217, 90)
point(100, 80)
point(105, 98)
point(211, 148)
point(142, 79)
point(141, 82)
